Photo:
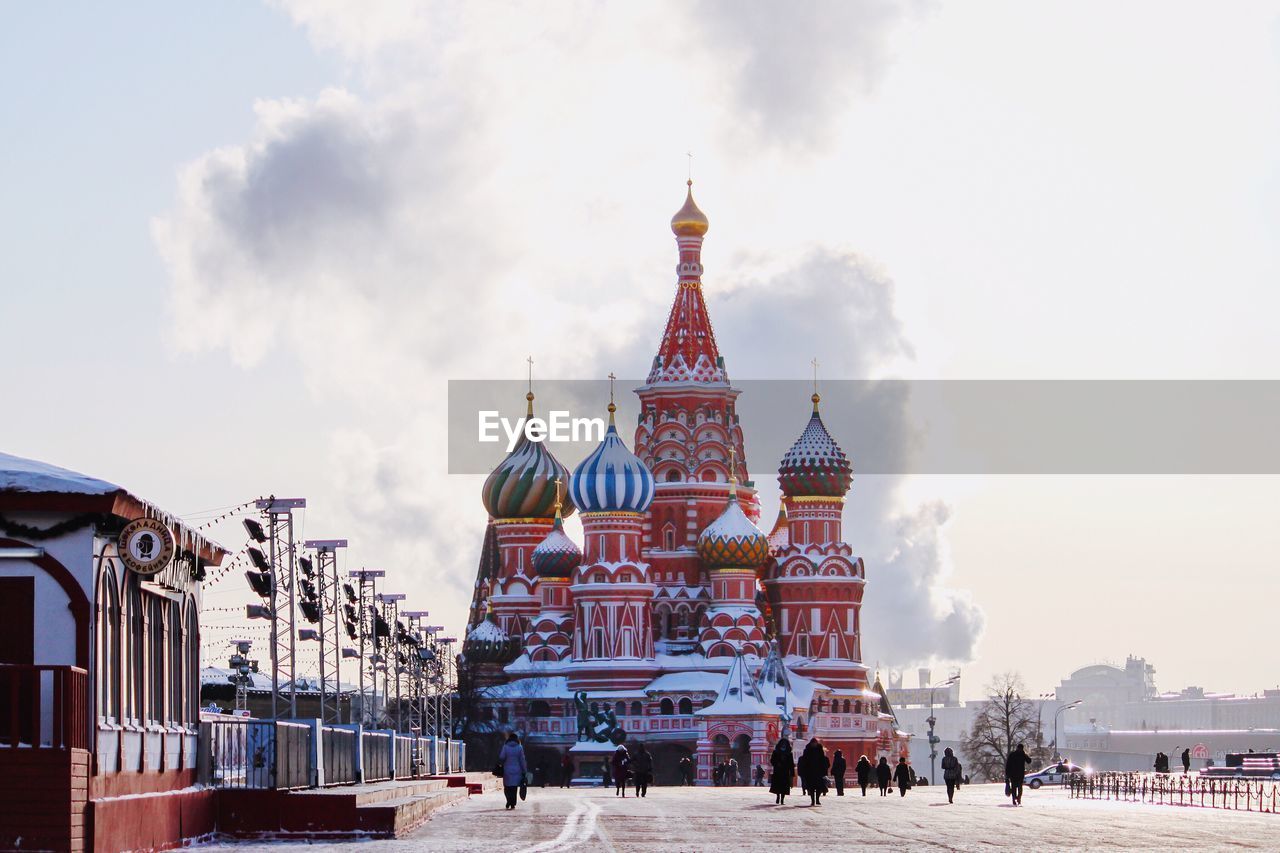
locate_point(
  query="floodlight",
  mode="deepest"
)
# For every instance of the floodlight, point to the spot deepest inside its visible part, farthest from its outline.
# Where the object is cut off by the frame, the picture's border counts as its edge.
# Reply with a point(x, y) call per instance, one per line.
point(308, 633)
point(351, 630)
point(351, 614)
point(351, 593)
point(259, 560)
point(260, 582)
point(310, 610)
point(256, 533)
point(304, 563)
point(350, 653)
point(257, 611)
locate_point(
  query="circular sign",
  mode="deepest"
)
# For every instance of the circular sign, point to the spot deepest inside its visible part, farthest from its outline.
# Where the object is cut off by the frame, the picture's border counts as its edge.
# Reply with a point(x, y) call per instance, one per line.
point(146, 546)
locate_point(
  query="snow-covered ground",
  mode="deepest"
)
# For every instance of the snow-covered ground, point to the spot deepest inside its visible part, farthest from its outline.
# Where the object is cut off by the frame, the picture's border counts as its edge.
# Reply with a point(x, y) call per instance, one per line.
point(745, 819)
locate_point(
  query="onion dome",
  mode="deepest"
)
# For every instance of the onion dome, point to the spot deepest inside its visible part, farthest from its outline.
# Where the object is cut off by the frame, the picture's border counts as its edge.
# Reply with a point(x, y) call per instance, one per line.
point(689, 221)
point(557, 555)
point(612, 478)
point(815, 466)
point(487, 643)
point(732, 541)
point(523, 484)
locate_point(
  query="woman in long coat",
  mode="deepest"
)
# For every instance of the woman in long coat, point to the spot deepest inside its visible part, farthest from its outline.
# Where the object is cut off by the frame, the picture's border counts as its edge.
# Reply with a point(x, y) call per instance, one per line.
point(838, 768)
point(813, 766)
point(902, 775)
point(864, 770)
point(883, 774)
point(784, 768)
point(621, 762)
point(511, 757)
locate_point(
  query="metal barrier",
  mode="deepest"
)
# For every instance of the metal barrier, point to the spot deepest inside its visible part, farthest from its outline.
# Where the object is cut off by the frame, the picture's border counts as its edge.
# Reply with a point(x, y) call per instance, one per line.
point(375, 756)
point(266, 754)
point(404, 765)
point(44, 706)
point(338, 747)
point(1252, 795)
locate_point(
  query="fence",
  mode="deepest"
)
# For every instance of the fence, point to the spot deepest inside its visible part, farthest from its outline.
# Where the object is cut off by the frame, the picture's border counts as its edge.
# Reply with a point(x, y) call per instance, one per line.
point(44, 706)
point(375, 755)
point(277, 754)
point(1253, 795)
point(338, 746)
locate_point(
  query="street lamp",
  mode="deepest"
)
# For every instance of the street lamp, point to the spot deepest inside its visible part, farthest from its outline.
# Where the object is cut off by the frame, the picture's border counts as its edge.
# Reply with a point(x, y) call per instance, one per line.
point(1056, 750)
point(934, 739)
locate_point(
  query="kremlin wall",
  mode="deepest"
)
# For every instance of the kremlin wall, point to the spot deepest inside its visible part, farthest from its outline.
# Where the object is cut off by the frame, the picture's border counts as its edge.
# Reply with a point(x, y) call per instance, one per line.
point(678, 621)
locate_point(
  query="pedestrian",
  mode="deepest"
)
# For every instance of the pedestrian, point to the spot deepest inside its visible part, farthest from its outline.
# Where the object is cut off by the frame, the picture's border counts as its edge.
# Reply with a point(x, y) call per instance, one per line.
point(813, 766)
point(950, 773)
point(731, 772)
point(514, 768)
point(566, 769)
point(883, 774)
point(605, 779)
point(864, 770)
point(784, 767)
point(902, 775)
point(1186, 760)
point(620, 761)
point(641, 769)
point(1015, 773)
point(686, 771)
point(838, 767)
point(759, 775)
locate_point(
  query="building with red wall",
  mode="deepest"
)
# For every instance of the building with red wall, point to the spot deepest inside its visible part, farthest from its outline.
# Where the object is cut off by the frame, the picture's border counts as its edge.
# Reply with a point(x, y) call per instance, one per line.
point(678, 620)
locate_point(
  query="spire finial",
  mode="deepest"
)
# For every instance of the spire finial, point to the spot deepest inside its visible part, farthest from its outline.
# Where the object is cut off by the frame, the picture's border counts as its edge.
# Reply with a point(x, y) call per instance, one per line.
point(529, 396)
point(816, 396)
point(689, 154)
point(558, 504)
point(612, 407)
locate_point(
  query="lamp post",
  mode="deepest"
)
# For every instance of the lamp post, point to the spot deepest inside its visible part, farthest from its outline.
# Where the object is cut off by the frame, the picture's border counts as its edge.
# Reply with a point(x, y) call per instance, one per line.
point(1057, 752)
point(934, 739)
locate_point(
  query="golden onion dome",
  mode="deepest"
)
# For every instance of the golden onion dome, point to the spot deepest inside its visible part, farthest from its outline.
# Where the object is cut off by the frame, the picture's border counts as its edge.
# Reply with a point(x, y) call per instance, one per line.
point(689, 221)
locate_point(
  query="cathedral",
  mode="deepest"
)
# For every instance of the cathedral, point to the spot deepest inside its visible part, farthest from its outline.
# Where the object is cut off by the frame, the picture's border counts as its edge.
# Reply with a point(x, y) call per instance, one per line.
point(678, 621)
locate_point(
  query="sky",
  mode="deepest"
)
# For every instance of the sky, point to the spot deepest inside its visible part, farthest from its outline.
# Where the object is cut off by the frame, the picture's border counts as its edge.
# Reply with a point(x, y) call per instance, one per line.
point(247, 246)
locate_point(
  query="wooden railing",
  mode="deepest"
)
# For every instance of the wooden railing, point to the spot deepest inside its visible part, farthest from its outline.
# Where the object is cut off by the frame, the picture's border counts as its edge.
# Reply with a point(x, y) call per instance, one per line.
point(44, 706)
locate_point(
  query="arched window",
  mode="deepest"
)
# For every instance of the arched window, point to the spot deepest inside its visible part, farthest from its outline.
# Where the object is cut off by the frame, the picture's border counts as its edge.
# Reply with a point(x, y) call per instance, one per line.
point(191, 640)
point(637, 709)
point(673, 476)
point(137, 643)
point(175, 664)
point(666, 707)
point(686, 705)
point(109, 675)
point(539, 708)
point(155, 666)
point(620, 709)
point(846, 706)
point(857, 707)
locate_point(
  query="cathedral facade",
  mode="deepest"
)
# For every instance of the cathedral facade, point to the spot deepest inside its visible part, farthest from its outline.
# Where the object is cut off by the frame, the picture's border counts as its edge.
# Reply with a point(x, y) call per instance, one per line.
point(678, 622)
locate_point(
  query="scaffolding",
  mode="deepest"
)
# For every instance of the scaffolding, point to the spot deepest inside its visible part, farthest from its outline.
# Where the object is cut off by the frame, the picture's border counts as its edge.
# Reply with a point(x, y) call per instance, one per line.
point(329, 606)
point(282, 558)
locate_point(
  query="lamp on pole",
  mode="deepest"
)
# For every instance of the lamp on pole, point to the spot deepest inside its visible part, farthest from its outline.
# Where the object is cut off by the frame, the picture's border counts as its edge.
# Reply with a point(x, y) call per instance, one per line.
point(933, 739)
point(1057, 753)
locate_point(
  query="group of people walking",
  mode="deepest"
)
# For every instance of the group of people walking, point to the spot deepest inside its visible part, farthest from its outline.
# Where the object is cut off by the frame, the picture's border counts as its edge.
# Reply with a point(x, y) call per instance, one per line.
point(635, 764)
point(813, 766)
point(1162, 762)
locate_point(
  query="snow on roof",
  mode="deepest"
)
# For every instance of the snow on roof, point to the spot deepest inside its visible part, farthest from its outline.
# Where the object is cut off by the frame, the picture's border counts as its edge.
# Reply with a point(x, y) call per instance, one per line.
point(738, 696)
point(535, 687)
point(29, 475)
point(686, 682)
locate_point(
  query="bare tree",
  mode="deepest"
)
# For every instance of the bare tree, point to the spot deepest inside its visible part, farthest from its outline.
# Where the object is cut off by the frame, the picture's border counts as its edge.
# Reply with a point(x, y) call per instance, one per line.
point(1004, 720)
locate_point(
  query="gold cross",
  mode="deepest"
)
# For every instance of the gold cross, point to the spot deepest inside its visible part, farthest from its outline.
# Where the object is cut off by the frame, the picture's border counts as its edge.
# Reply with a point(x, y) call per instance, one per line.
point(733, 465)
point(557, 497)
point(689, 154)
point(530, 360)
point(611, 379)
point(815, 374)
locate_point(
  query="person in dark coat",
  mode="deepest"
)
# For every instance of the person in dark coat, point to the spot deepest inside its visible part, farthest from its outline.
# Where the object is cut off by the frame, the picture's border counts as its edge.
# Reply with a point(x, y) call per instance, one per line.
point(620, 762)
point(759, 776)
point(641, 769)
point(686, 771)
point(784, 768)
point(514, 768)
point(566, 769)
point(838, 767)
point(1186, 760)
point(1015, 773)
point(902, 775)
point(812, 767)
point(883, 774)
point(950, 773)
point(864, 770)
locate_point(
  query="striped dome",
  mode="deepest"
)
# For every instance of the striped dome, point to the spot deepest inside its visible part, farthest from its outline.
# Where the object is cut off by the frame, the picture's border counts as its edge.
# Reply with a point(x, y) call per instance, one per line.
point(732, 541)
point(612, 478)
point(557, 555)
point(815, 466)
point(523, 484)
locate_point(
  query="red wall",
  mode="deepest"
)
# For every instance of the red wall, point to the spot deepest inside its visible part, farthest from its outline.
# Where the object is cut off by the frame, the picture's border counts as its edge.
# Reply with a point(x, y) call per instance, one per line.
point(42, 798)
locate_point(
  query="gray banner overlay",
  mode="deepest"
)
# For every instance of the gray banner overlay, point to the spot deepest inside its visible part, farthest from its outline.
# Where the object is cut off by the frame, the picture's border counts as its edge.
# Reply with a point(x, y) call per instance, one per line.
point(979, 427)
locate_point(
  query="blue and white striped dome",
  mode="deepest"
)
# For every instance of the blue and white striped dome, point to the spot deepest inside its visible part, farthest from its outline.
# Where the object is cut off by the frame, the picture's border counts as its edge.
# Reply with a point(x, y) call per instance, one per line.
point(612, 478)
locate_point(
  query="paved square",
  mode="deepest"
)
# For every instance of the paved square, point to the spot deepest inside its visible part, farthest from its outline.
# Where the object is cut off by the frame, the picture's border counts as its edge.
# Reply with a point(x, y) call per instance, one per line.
point(745, 819)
